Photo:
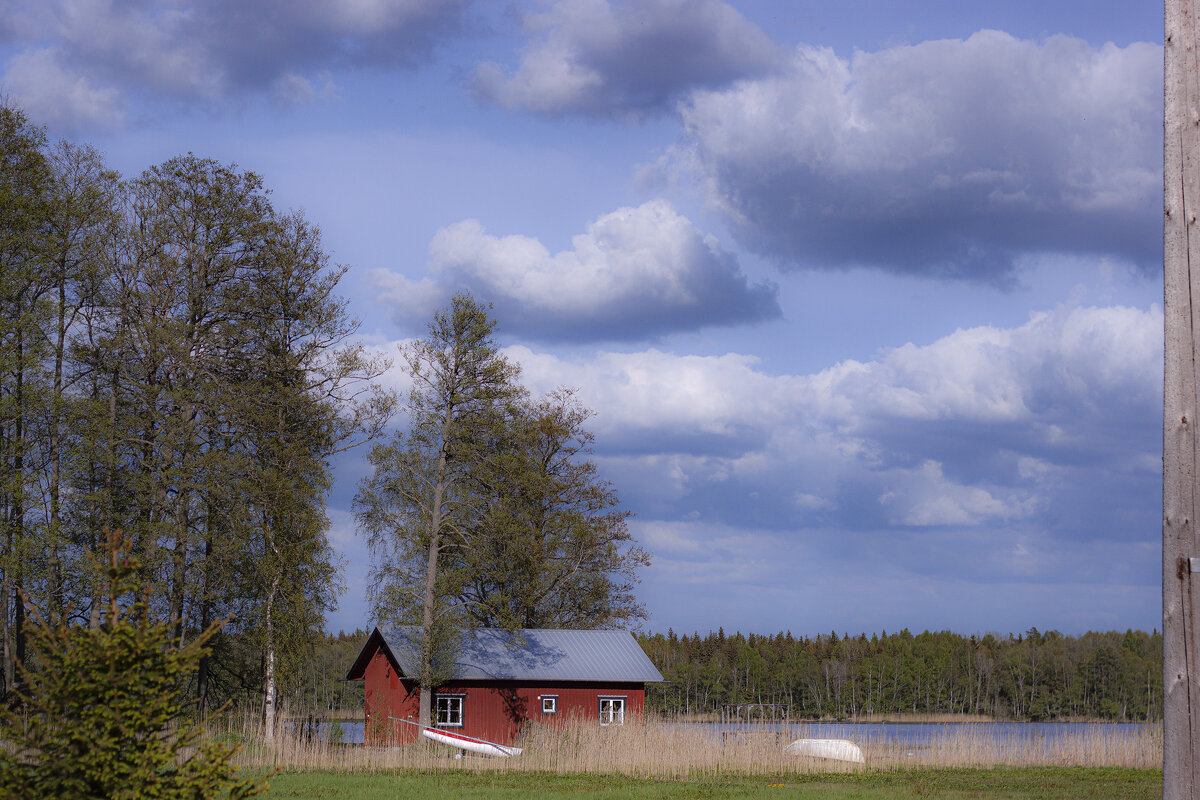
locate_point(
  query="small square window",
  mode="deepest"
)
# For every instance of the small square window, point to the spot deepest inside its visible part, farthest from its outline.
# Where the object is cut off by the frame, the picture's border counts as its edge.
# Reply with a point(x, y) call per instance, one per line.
point(549, 704)
point(449, 711)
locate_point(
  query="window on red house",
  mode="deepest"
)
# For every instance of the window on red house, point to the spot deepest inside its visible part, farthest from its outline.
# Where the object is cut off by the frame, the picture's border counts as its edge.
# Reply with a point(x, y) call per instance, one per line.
point(449, 708)
point(612, 710)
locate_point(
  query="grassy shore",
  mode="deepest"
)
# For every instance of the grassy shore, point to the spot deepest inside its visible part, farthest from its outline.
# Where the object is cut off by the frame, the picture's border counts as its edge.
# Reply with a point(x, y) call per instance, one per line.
point(656, 749)
point(651, 758)
point(1001, 783)
point(904, 717)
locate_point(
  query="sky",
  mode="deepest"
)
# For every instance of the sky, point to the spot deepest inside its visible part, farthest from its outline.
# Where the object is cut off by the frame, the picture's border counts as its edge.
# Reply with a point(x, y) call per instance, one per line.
point(866, 295)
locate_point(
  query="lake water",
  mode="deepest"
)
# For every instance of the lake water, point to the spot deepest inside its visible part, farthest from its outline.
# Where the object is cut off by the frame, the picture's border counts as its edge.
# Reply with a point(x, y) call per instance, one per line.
point(911, 735)
point(921, 734)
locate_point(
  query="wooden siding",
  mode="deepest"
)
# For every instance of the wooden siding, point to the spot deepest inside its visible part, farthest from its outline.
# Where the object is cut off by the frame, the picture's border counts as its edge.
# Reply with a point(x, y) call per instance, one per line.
point(386, 696)
point(492, 710)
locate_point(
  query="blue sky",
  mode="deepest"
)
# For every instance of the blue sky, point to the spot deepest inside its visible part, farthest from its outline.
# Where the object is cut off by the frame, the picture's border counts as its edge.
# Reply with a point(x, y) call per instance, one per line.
point(866, 296)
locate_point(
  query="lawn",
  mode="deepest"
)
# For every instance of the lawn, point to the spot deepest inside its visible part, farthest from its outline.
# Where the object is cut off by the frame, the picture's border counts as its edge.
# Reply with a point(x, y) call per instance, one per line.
point(1002, 783)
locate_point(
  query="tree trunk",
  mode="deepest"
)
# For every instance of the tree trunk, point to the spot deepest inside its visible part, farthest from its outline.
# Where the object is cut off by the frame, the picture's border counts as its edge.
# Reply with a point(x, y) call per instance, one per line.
point(427, 612)
point(269, 657)
point(5, 597)
point(202, 670)
point(54, 602)
point(17, 515)
point(110, 488)
point(425, 708)
point(175, 609)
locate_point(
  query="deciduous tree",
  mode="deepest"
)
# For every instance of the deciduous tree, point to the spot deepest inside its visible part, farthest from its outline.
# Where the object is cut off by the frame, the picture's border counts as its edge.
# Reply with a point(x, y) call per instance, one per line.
point(416, 507)
point(25, 208)
point(554, 550)
point(302, 392)
point(488, 511)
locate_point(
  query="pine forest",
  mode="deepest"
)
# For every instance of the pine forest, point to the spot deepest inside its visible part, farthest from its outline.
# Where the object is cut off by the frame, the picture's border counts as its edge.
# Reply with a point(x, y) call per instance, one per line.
point(1032, 676)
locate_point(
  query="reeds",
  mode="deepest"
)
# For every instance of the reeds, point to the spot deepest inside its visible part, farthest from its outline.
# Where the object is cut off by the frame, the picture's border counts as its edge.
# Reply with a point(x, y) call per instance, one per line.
point(656, 748)
point(967, 745)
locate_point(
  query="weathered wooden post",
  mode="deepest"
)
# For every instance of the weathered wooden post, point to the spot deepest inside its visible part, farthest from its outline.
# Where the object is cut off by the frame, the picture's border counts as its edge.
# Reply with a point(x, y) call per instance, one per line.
point(1181, 274)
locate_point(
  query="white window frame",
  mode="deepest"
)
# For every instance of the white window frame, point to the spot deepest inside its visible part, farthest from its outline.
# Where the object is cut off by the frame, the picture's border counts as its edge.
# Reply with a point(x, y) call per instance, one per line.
point(612, 709)
point(549, 703)
point(453, 702)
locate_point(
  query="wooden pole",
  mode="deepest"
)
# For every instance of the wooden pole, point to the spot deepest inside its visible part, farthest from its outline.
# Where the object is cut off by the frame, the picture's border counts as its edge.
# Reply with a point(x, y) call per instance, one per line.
point(1181, 448)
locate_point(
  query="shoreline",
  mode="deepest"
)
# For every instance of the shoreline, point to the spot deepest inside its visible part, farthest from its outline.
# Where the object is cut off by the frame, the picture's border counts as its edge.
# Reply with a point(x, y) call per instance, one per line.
point(903, 719)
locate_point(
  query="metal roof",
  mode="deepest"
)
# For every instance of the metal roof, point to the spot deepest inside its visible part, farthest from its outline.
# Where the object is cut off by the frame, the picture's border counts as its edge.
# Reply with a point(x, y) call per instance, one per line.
point(533, 654)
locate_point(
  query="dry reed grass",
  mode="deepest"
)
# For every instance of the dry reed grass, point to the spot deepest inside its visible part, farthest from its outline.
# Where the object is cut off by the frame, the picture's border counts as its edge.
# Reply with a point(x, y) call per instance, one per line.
point(656, 748)
point(976, 745)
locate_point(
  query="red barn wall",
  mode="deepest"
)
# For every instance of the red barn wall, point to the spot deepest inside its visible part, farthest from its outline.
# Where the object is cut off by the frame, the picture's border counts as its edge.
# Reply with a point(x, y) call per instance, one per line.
point(388, 696)
point(492, 710)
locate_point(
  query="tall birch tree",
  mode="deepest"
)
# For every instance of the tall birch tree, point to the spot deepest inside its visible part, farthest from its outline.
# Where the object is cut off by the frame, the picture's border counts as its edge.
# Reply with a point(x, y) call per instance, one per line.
point(415, 507)
point(25, 209)
point(305, 393)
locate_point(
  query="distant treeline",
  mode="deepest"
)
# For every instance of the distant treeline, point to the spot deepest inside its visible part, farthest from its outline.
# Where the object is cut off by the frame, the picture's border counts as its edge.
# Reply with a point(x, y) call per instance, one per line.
point(1031, 676)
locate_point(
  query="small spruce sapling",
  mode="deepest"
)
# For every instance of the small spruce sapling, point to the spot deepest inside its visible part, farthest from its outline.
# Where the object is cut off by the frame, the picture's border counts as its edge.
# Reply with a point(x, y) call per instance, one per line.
point(102, 713)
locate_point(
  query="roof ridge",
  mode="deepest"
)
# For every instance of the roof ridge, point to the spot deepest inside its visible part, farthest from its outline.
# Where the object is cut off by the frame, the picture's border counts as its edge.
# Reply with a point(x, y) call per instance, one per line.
point(557, 654)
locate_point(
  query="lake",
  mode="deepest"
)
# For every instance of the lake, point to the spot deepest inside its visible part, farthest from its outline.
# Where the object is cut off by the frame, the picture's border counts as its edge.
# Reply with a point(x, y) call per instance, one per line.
point(922, 734)
point(910, 735)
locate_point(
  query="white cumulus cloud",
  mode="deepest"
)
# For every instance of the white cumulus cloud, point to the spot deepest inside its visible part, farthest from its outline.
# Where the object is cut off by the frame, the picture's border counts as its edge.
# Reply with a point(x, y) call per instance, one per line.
point(946, 158)
point(626, 58)
point(633, 273)
point(991, 455)
point(984, 426)
point(923, 496)
point(50, 93)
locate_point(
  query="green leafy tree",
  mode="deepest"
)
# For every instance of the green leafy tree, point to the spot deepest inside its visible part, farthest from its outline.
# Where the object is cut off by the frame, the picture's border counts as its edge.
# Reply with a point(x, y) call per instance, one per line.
point(83, 217)
point(301, 393)
point(25, 208)
point(417, 507)
point(174, 362)
point(556, 550)
point(104, 716)
point(236, 380)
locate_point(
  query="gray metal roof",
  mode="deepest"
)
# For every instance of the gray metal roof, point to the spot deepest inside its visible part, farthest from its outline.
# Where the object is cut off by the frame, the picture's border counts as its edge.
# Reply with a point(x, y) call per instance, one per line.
point(533, 654)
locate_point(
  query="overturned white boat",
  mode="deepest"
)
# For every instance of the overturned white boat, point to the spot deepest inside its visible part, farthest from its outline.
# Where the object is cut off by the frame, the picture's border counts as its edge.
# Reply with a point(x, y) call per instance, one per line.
point(469, 743)
point(836, 749)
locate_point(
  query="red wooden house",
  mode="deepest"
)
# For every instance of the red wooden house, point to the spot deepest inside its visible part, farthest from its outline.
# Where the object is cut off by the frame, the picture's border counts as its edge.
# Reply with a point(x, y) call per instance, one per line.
point(503, 679)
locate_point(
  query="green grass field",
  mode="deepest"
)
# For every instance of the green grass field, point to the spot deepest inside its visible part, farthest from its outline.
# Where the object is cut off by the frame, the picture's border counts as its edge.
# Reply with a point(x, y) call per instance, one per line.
point(1003, 783)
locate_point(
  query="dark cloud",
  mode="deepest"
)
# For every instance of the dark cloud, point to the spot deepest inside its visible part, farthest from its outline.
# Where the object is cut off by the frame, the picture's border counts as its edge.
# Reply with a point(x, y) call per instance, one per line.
point(208, 51)
point(627, 58)
point(275, 37)
point(8, 20)
point(945, 159)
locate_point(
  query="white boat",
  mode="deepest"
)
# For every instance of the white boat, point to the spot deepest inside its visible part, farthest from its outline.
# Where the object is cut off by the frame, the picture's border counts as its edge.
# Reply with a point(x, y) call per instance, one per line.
point(837, 749)
point(463, 742)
